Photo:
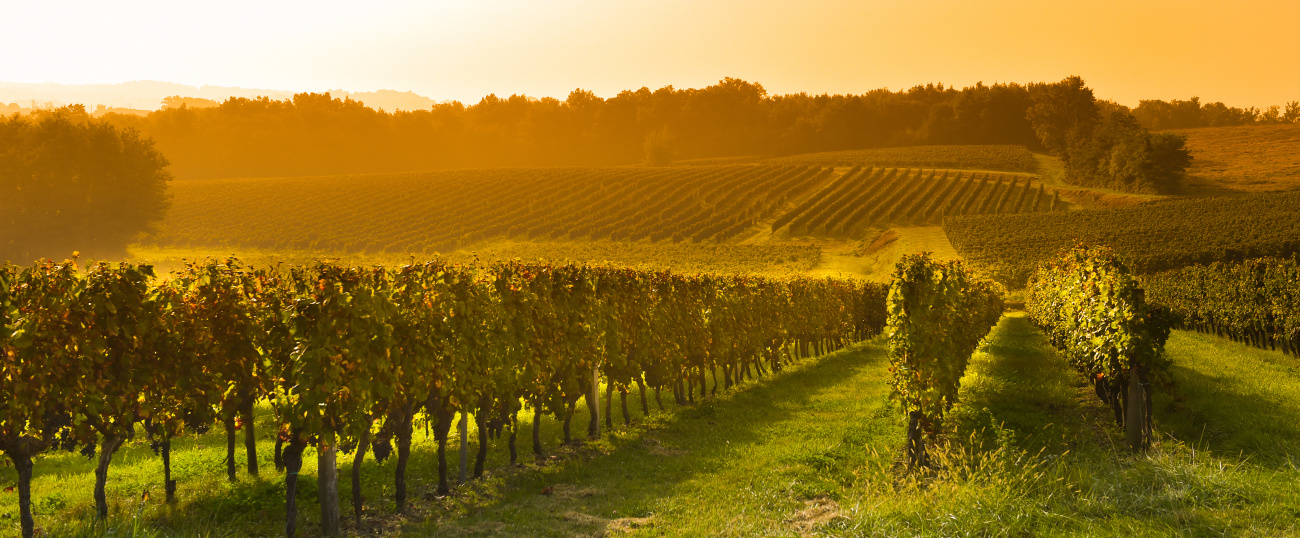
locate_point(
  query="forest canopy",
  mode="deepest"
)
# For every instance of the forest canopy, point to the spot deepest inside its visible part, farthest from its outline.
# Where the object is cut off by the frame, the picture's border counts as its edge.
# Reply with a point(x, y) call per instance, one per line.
point(71, 183)
point(313, 134)
point(317, 134)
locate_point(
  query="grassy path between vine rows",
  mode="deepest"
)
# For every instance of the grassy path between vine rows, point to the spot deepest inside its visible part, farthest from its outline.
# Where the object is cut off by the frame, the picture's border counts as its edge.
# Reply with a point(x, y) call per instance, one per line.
point(812, 451)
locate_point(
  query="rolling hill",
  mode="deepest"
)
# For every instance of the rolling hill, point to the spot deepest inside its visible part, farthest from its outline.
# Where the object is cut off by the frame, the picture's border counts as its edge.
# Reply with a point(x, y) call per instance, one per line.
point(1247, 158)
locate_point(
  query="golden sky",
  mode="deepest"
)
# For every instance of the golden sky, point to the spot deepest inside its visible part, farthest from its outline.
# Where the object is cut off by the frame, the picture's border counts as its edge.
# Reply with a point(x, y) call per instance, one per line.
point(1244, 52)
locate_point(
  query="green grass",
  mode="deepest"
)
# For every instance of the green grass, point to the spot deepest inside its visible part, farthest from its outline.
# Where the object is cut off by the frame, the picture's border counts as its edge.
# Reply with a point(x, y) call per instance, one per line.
point(815, 450)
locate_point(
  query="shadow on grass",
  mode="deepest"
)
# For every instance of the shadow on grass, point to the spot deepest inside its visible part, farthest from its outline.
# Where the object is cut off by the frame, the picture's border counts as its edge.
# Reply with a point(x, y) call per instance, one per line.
point(635, 472)
point(1233, 399)
point(1017, 383)
point(1050, 460)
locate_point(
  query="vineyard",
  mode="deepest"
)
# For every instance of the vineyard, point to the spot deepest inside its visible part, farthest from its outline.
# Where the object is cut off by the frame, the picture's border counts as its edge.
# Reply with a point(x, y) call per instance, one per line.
point(349, 356)
point(1151, 237)
point(1004, 158)
point(1256, 302)
point(443, 211)
point(864, 197)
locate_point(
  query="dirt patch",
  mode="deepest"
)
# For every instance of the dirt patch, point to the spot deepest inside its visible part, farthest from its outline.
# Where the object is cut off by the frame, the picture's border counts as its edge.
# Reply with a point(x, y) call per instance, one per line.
point(570, 491)
point(608, 527)
point(625, 525)
point(1090, 199)
point(584, 519)
point(815, 513)
point(656, 448)
point(886, 238)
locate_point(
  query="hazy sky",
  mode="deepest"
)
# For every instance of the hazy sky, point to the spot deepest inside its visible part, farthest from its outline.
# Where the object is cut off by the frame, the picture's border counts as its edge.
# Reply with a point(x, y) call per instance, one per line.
point(1243, 52)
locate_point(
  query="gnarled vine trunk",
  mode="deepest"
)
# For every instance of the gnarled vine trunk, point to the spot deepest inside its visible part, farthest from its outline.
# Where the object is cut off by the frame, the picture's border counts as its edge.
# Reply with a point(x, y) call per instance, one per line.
point(327, 486)
point(250, 434)
point(292, 464)
point(109, 447)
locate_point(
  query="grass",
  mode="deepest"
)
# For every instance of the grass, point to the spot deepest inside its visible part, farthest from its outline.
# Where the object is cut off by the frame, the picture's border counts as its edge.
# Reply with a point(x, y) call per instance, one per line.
point(1052, 172)
point(1005, 158)
point(874, 261)
point(814, 451)
point(1243, 158)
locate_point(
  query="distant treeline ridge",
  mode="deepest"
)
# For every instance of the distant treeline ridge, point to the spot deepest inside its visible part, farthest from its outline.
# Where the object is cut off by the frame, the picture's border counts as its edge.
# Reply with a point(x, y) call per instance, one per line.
point(314, 134)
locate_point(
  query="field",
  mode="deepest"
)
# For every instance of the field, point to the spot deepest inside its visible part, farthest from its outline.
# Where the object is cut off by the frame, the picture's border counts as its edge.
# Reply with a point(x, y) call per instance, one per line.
point(443, 211)
point(472, 210)
point(1004, 158)
point(1247, 158)
point(865, 198)
point(810, 451)
point(1152, 236)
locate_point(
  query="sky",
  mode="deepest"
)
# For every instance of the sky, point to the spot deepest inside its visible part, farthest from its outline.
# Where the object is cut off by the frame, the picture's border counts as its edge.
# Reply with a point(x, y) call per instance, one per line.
point(1244, 52)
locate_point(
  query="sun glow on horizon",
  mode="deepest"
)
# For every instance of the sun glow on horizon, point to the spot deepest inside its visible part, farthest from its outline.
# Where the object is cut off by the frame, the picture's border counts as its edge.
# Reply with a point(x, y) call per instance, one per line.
point(1238, 53)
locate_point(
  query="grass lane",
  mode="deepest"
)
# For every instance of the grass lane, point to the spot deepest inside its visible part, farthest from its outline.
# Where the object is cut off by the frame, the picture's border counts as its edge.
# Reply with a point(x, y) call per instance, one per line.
point(747, 463)
point(1033, 452)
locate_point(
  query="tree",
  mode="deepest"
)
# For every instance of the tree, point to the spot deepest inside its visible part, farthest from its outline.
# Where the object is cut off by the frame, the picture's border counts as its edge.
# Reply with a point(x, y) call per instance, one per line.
point(68, 182)
point(1123, 155)
point(660, 147)
point(1063, 114)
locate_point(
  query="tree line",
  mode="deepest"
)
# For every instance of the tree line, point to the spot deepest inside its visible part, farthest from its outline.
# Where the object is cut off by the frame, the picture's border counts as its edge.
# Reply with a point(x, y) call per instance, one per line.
point(316, 134)
point(1156, 114)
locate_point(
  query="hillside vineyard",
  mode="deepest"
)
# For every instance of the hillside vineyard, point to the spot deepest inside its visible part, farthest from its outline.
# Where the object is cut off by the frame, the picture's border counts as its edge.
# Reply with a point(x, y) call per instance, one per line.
point(446, 210)
point(865, 197)
point(440, 211)
point(1152, 237)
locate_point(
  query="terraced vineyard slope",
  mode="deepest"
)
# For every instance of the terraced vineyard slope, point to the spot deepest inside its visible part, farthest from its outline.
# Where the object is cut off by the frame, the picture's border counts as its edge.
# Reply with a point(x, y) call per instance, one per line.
point(1006, 158)
point(1151, 237)
point(870, 197)
point(445, 210)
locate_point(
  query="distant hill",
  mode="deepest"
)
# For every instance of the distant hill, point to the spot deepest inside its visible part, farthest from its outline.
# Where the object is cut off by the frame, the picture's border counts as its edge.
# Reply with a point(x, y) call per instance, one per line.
point(388, 100)
point(147, 95)
point(1243, 158)
point(137, 94)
